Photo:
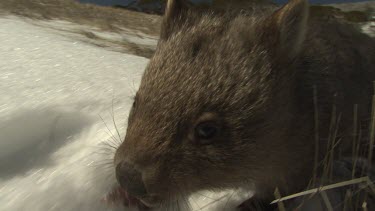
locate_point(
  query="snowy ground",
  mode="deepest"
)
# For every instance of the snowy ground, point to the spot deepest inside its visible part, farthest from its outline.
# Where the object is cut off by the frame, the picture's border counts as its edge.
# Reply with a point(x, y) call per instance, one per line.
point(369, 28)
point(55, 90)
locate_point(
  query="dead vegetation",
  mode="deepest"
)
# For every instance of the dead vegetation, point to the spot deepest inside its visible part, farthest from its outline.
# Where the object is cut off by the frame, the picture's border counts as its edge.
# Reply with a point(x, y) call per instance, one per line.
point(119, 46)
point(99, 18)
point(342, 183)
point(328, 12)
point(104, 18)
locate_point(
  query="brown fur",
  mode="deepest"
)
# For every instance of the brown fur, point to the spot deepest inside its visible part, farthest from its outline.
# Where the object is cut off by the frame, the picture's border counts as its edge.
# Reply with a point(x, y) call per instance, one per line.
point(252, 74)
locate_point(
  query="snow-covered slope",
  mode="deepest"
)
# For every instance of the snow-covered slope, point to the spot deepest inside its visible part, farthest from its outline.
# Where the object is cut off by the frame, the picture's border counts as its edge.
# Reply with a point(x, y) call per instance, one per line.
point(355, 6)
point(57, 94)
point(53, 90)
point(368, 28)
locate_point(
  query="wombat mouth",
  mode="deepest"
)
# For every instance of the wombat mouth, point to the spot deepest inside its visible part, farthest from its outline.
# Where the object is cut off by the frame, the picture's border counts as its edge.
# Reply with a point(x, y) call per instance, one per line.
point(119, 196)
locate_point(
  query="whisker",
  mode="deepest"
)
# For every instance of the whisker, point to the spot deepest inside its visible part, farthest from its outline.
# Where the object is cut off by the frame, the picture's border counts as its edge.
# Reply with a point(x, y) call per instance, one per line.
point(112, 140)
point(229, 198)
point(108, 128)
point(186, 204)
point(107, 143)
point(114, 123)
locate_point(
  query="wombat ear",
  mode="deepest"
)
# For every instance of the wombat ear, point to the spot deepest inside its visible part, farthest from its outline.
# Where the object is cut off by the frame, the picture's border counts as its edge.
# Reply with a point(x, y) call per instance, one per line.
point(289, 24)
point(174, 12)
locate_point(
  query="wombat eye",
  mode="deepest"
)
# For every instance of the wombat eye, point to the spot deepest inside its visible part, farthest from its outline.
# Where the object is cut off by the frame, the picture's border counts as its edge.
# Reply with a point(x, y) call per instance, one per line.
point(206, 131)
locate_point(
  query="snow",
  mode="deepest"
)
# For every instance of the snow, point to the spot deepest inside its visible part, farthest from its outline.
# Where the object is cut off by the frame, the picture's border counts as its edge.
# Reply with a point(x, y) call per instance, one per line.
point(58, 97)
point(369, 28)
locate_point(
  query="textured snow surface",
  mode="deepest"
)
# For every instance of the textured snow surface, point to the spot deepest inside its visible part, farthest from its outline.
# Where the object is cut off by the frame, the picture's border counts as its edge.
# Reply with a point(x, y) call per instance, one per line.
point(56, 98)
point(369, 28)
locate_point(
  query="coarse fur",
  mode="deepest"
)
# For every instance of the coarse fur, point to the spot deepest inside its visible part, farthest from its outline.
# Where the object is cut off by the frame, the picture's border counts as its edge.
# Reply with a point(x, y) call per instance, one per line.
point(252, 74)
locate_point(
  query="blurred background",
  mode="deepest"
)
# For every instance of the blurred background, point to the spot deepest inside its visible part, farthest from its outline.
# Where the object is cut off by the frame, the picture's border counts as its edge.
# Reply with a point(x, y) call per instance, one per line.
point(128, 2)
point(154, 4)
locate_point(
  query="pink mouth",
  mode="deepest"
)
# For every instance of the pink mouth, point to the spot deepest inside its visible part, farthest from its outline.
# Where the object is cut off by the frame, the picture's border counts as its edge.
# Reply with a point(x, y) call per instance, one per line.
point(118, 196)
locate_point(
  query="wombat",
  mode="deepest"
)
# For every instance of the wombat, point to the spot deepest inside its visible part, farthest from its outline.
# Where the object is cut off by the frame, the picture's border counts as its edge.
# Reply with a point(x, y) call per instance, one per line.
point(227, 101)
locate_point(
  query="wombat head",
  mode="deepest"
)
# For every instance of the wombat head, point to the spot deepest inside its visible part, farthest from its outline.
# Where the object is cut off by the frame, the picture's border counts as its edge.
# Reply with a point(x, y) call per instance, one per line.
point(212, 103)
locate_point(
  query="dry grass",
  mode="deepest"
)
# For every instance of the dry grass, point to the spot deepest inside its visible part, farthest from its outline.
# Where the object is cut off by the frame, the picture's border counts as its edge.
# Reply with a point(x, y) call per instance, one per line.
point(116, 45)
point(327, 12)
point(104, 18)
point(99, 18)
point(357, 191)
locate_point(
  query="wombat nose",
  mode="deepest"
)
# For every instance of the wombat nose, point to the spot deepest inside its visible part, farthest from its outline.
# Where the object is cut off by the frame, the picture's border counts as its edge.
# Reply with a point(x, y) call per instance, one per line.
point(130, 179)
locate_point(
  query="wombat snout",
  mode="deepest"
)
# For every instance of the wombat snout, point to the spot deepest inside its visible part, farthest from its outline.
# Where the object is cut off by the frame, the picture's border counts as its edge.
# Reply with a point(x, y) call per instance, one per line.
point(130, 179)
